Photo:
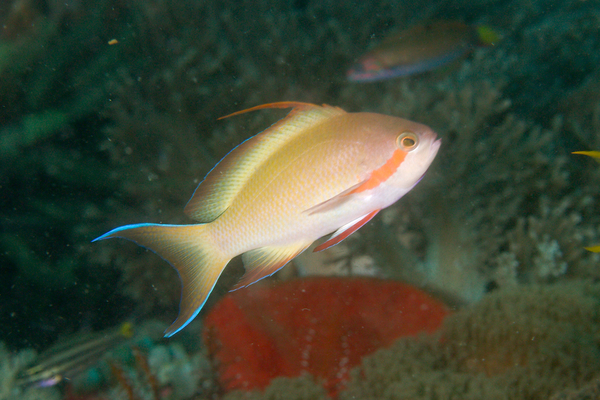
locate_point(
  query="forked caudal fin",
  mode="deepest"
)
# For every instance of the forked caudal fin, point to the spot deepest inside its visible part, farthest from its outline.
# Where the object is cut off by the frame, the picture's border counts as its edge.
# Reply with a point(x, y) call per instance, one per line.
point(189, 250)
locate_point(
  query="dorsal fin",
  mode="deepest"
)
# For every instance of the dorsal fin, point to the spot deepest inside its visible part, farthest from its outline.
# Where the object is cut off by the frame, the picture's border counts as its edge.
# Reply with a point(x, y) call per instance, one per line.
point(220, 187)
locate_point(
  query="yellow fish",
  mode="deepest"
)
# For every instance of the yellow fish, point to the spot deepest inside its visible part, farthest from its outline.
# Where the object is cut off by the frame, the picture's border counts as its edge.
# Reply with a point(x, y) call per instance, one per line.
point(593, 154)
point(316, 171)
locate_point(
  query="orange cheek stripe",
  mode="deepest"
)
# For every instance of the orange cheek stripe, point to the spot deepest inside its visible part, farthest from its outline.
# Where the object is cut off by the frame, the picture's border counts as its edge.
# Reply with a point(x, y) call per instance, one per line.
point(382, 173)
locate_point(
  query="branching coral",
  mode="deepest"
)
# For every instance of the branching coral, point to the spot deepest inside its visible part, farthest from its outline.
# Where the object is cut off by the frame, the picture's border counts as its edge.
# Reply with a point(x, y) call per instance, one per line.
point(10, 365)
point(536, 253)
point(44, 82)
point(52, 74)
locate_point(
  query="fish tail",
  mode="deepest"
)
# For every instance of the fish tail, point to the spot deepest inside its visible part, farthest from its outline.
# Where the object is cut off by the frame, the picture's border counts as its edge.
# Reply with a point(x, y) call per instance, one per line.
point(190, 250)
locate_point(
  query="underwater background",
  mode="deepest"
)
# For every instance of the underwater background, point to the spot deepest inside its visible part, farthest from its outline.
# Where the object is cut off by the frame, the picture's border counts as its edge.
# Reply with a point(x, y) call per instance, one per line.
point(108, 116)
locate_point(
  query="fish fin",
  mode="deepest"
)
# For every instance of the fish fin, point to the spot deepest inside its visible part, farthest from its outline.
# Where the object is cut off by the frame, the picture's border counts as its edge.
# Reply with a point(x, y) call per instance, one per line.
point(594, 154)
point(296, 105)
point(595, 249)
point(375, 178)
point(265, 261)
point(345, 231)
point(335, 201)
point(220, 187)
point(189, 249)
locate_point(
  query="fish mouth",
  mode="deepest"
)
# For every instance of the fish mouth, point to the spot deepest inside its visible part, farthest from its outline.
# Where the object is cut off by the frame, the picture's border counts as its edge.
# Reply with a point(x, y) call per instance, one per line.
point(433, 149)
point(435, 146)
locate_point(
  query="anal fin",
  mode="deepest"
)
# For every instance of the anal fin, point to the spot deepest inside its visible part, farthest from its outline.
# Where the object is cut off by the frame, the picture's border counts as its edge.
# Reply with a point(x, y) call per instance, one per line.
point(345, 231)
point(265, 261)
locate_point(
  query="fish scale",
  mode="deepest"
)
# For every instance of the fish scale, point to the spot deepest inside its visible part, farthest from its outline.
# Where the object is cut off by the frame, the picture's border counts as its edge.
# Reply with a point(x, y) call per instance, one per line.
point(318, 170)
point(292, 199)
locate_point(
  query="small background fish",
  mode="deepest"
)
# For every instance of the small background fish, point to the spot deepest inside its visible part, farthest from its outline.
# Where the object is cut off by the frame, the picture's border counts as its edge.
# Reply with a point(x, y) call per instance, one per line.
point(73, 355)
point(419, 49)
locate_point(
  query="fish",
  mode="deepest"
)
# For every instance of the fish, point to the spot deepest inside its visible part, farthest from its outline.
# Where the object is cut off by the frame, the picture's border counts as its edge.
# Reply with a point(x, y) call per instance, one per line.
point(593, 154)
point(72, 356)
point(596, 155)
point(419, 49)
point(316, 171)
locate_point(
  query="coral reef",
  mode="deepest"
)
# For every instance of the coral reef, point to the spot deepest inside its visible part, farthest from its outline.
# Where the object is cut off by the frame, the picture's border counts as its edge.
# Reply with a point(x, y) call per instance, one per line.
point(165, 371)
point(591, 391)
point(140, 368)
point(94, 136)
point(318, 326)
point(301, 388)
point(146, 367)
point(515, 343)
point(525, 343)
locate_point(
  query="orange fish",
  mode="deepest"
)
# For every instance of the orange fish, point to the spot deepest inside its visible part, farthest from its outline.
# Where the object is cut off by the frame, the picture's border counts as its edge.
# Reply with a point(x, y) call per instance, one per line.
point(316, 171)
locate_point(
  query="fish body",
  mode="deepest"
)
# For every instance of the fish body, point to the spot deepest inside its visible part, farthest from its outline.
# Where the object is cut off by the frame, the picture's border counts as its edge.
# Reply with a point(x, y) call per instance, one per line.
point(316, 171)
point(419, 49)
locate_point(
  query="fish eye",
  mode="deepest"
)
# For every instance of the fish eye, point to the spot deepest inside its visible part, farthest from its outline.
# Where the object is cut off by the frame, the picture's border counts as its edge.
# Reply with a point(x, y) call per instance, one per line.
point(407, 141)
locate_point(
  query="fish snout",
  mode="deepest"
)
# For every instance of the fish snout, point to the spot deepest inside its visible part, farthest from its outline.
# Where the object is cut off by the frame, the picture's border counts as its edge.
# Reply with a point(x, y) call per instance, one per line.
point(435, 145)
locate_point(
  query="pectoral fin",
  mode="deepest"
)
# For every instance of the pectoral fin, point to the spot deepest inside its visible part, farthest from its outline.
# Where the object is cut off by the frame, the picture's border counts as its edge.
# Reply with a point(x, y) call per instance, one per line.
point(345, 231)
point(375, 178)
point(335, 201)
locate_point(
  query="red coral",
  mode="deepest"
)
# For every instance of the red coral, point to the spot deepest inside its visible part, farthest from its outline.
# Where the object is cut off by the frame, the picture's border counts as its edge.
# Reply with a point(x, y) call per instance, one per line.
point(321, 326)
